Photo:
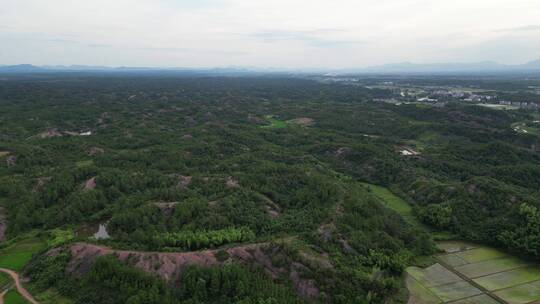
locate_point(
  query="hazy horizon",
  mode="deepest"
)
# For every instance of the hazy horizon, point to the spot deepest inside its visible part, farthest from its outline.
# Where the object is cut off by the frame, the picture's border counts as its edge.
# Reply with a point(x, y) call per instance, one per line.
point(267, 34)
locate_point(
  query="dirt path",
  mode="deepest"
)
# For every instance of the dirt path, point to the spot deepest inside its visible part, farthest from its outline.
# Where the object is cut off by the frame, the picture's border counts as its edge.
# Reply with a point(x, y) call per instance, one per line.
point(2, 296)
point(24, 293)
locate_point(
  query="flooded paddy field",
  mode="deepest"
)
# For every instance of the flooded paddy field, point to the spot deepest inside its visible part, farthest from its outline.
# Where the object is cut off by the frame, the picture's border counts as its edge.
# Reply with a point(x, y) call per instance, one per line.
point(469, 273)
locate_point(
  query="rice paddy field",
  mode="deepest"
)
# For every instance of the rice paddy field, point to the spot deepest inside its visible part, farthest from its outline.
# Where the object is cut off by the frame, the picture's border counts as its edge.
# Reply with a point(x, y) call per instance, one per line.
point(468, 273)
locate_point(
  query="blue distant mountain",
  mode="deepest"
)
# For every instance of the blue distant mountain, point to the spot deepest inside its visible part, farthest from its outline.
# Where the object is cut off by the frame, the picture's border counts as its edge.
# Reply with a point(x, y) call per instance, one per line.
point(394, 68)
point(20, 68)
point(29, 69)
point(484, 66)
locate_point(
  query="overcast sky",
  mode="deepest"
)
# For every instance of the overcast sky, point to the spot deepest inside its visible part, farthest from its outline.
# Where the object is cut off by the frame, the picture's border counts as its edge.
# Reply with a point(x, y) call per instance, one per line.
point(267, 33)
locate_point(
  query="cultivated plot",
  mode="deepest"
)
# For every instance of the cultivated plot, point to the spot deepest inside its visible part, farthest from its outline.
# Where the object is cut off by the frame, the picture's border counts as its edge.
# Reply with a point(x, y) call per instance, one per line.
point(507, 278)
point(436, 284)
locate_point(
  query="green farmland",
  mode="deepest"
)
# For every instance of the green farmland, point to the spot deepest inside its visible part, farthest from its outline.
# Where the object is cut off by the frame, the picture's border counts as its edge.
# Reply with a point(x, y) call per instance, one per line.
point(393, 202)
point(13, 297)
point(474, 274)
point(17, 255)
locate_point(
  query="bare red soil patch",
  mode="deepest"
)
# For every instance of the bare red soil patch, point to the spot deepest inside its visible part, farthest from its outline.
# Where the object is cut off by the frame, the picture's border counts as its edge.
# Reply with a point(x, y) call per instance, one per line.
point(93, 151)
point(303, 121)
point(184, 181)
point(50, 133)
point(231, 182)
point(256, 119)
point(169, 265)
point(166, 207)
point(90, 184)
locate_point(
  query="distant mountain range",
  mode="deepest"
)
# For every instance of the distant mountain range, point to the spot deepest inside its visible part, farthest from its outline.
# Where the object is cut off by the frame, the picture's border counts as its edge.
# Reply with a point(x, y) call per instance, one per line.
point(484, 66)
point(395, 68)
point(29, 69)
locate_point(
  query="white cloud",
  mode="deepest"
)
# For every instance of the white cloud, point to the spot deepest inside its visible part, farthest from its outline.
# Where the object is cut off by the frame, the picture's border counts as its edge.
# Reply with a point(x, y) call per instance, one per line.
point(279, 33)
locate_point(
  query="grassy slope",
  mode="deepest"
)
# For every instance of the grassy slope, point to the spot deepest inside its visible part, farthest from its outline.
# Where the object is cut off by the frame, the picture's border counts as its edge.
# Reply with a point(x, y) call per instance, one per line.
point(275, 123)
point(52, 296)
point(394, 202)
point(16, 256)
point(4, 280)
point(13, 297)
point(403, 208)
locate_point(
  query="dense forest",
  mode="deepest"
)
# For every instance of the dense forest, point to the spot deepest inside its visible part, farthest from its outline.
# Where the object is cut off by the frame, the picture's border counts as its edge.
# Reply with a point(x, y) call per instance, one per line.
point(178, 165)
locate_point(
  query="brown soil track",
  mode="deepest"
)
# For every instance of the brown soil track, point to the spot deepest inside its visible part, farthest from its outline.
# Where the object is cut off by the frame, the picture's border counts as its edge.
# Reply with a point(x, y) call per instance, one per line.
point(22, 291)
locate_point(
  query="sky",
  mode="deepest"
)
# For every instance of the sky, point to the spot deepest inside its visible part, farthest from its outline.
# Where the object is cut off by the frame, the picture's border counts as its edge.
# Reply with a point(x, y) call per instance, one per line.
point(267, 33)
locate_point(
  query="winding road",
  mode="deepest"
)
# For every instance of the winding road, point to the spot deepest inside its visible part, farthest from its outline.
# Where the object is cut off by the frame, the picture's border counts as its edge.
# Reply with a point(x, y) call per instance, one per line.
point(24, 293)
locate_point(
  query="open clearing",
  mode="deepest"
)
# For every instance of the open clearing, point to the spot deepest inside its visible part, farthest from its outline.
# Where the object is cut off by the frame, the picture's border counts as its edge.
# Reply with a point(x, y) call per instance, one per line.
point(392, 201)
point(16, 256)
point(404, 209)
point(497, 106)
point(527, 127)
point(84, 163)
point(274, 122)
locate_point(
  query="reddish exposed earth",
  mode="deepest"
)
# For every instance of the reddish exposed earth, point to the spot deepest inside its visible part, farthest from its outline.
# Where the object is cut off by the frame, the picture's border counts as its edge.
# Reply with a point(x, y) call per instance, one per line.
point(231, 182)
point(256, 119)
point(303, 121)
point(166, 207)
point(50, 134)
point(169, 265)
point(90, 184)
point(93, 151)
point(184, 181)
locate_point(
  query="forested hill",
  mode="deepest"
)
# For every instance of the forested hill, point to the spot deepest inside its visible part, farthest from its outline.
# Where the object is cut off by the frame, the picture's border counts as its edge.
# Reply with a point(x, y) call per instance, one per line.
point(196, 169)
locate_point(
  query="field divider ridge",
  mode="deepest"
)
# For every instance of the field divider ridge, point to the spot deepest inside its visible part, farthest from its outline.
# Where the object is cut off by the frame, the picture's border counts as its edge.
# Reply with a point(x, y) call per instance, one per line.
point(468, 280)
